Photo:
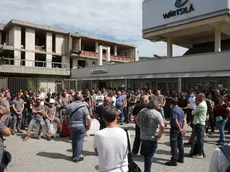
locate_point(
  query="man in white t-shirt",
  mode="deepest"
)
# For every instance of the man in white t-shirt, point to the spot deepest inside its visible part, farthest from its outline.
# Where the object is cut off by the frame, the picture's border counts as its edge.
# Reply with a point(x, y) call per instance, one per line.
point(110, 144)
point(192, 101)
point(219, 162)
point(99, 99)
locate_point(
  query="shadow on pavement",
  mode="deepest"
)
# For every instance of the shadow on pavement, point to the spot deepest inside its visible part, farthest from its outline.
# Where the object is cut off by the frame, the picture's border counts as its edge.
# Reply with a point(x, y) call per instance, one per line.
point(85, 153)
point(54, 155)
point(155, 160)
point(163, 152)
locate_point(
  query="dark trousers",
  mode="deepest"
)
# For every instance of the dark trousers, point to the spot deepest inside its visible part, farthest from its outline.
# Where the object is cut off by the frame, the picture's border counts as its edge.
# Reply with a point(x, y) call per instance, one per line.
point(150, 148)
point(2, 166)
point(199, 131)
point(176, 143)
point(137, 141)
point(77, 135)
point(211, 122)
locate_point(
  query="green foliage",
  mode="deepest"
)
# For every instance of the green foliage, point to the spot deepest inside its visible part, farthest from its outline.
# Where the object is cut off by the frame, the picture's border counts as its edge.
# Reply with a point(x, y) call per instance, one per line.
point(31, 85)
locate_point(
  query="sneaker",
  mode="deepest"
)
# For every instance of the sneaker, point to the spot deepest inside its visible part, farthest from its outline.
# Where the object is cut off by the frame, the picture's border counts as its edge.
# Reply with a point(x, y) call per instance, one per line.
point(198, 156)
point(171, 163)
point(188, 143)
point(78, 160)
point(39, 137)
point(26, 138)
point(48, 138)
point(220, 144)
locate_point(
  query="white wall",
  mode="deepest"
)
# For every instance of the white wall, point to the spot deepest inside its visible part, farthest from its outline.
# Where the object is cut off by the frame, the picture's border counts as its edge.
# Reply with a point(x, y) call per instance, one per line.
point(49, 45)
point(11, 37)
point(60, 44)
point(30, 45)
point(15, 41)
point(48, 83)
point(65, 62)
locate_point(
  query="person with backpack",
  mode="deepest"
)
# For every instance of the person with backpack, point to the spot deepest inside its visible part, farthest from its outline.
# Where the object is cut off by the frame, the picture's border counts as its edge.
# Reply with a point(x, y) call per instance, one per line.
point(220, 161)
point(80, 122)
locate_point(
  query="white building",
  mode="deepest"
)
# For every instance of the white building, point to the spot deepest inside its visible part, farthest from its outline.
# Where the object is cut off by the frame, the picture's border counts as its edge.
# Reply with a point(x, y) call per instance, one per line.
point(201, 26)
point(42, 56)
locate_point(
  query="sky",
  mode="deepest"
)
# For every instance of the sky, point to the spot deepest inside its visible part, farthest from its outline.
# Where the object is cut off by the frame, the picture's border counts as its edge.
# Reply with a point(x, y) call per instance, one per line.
point(119, 20)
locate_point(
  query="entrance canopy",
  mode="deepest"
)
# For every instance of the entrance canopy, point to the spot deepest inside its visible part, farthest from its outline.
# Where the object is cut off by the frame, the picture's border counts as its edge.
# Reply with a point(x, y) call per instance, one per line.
point(186, 22)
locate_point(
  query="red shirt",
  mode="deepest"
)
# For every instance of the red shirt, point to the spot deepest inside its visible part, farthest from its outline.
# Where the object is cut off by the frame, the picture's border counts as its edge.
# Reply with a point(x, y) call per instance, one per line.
point(221, 111)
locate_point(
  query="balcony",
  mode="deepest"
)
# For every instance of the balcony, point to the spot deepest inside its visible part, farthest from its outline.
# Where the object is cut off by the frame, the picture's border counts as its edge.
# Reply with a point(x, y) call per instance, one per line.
point(21, 66)
point(112, 57)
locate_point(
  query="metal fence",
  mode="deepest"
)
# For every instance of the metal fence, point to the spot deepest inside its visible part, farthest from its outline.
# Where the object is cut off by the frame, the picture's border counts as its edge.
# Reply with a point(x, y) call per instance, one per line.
point(17, 83)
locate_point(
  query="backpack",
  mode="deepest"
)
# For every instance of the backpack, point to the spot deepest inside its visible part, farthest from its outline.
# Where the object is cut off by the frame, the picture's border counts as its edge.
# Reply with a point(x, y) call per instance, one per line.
point(226, 151)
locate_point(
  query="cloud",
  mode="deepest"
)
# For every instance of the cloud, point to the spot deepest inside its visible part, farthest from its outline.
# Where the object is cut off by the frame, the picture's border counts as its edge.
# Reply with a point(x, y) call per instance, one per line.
point(118, 19)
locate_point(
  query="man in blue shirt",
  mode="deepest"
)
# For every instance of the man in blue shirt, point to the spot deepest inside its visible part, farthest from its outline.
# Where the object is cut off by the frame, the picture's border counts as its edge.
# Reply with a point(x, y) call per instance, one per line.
point(119, 105)
point(177, 131)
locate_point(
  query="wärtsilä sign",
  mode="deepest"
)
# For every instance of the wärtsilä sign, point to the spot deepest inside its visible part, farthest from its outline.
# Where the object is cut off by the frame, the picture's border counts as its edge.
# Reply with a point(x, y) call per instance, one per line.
point(182, 10)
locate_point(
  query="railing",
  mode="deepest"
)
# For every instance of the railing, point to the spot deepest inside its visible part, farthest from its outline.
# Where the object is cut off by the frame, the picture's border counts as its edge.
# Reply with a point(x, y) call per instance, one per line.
point(112, 57)
point(33, 63)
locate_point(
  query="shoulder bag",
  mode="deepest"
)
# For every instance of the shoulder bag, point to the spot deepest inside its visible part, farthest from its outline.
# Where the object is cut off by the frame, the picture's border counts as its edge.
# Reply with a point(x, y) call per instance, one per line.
point(133, 167)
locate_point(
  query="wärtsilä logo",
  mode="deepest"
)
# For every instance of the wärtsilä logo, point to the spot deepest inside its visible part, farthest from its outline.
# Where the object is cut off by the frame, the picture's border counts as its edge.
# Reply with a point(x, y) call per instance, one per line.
point(182, 10)
point(180, 3)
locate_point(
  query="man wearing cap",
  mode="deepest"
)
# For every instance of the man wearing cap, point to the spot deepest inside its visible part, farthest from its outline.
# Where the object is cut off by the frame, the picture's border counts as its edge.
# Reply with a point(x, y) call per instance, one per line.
point(50, 117)
point(18, 107)
point(38, 111)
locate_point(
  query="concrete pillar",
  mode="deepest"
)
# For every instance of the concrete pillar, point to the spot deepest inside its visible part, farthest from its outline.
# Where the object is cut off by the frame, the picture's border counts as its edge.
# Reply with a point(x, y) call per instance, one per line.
point(15, 41)
point(65, 62)
point(115, 50)
point(108, 55)
point(100, 56)
point(179, 85)
point(136, 55)
point(96, 47)
point(49, 45)
point(217, 40)
point(169, 47)
point(79, 44)
point(30, 45)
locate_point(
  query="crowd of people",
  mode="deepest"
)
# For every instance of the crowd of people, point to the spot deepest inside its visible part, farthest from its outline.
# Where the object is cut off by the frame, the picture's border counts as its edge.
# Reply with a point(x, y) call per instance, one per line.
point(199, 109)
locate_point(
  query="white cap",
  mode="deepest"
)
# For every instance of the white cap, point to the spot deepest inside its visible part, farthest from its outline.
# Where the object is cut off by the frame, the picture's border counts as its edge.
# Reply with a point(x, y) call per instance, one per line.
point(52, 101)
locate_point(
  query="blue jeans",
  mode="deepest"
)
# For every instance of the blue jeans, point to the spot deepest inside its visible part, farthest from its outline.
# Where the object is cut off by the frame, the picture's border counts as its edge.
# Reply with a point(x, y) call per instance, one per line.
point(149, 148)
point(161, 110)
point(199, 130)
point(77, 136)
point(221, 126)
point(122, 113)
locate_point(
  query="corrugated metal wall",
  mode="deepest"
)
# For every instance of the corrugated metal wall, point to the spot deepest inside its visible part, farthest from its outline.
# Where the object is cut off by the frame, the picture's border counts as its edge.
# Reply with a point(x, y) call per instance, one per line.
point(3, 82)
